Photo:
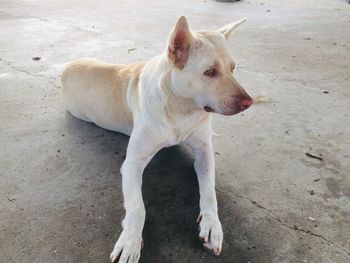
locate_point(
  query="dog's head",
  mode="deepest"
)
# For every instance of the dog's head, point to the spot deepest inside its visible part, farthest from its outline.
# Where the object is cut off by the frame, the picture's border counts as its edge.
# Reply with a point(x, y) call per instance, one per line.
point(203, 68)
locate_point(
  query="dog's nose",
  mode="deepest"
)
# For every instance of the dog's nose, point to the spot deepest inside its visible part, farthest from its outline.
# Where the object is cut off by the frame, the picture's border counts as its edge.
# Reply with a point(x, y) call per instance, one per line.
point(245, 103)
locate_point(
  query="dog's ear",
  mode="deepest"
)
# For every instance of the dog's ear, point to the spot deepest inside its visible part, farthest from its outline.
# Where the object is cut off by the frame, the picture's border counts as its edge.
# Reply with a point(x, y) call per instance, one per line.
point(227, 30)
point(179, 43)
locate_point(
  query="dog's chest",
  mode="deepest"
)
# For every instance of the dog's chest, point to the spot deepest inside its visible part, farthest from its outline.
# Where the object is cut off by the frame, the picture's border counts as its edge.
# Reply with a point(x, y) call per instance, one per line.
point(183, 126)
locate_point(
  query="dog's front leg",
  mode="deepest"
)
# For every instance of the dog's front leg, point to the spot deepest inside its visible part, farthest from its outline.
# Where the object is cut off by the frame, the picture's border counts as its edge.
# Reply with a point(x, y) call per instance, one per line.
point(141, 149)
point(210, 227)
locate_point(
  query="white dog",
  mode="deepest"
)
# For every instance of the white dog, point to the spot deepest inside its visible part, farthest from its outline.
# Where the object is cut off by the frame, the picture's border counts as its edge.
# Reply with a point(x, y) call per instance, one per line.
point(161, 103)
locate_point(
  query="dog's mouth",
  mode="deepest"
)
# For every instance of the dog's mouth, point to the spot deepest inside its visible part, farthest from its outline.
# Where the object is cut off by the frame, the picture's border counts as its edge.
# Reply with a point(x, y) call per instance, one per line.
point(208, 109)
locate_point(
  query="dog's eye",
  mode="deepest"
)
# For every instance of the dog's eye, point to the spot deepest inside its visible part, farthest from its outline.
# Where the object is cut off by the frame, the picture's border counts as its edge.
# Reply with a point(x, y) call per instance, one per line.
point(233, 67)
point(210, 72)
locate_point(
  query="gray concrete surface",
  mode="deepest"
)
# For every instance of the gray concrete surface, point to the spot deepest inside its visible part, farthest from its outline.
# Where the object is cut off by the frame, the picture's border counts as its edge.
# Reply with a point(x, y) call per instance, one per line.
point(60, 187)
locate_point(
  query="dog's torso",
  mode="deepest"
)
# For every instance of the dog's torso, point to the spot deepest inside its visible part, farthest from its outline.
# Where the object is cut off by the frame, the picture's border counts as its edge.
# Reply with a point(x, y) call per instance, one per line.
point(117, 97)
point(97, 92)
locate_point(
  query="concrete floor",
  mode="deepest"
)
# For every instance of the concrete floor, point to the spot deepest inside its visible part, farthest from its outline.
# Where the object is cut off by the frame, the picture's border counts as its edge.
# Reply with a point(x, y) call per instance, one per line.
point(60, 187)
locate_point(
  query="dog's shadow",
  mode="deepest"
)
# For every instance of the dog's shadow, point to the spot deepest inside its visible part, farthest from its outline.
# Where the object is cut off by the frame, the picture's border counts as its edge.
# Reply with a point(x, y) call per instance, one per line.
point(170, 191)
point(171, 196)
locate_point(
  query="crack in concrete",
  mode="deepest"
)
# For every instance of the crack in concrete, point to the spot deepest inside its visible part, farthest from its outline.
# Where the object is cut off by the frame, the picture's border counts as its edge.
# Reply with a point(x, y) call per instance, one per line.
point(28, 73)
point(294, 227)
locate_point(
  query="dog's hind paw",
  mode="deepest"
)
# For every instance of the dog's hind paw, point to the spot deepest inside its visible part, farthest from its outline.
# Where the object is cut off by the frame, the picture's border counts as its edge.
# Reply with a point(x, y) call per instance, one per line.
point(210, 233)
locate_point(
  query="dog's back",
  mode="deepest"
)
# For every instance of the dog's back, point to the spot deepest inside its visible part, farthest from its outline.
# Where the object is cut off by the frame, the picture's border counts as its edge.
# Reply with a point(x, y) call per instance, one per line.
point(97, 92)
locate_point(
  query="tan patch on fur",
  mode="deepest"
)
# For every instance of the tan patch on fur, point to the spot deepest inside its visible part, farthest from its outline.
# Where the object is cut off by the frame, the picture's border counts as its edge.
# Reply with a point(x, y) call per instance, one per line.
point(101, 95)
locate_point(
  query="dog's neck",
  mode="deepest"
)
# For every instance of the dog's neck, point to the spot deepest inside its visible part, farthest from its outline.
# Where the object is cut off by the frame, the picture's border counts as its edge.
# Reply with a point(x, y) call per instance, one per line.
point(160, 96)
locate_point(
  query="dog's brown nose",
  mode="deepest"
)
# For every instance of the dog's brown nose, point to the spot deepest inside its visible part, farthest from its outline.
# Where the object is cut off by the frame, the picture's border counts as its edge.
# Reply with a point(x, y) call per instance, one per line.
point(245, 103)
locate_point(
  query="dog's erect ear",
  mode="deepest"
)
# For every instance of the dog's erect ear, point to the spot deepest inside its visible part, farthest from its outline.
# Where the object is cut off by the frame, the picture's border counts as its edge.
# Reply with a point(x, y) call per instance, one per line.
point(228, 29)
point(179, 43)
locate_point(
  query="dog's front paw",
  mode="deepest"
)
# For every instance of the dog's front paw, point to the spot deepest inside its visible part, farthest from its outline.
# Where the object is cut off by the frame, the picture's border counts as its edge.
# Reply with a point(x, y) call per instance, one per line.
point(127, 249)
point(210, 232)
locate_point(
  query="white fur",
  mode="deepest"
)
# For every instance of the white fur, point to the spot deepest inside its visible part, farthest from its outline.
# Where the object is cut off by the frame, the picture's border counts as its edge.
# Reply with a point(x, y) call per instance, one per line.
point(159, 105)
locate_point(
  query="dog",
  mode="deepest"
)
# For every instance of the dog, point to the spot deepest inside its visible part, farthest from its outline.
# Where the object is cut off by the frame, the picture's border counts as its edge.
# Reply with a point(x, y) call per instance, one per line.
point(160, 103)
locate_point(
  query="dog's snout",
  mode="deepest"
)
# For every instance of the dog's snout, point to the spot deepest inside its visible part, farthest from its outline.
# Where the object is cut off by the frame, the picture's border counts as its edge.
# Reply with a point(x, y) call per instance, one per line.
point(245, 103)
